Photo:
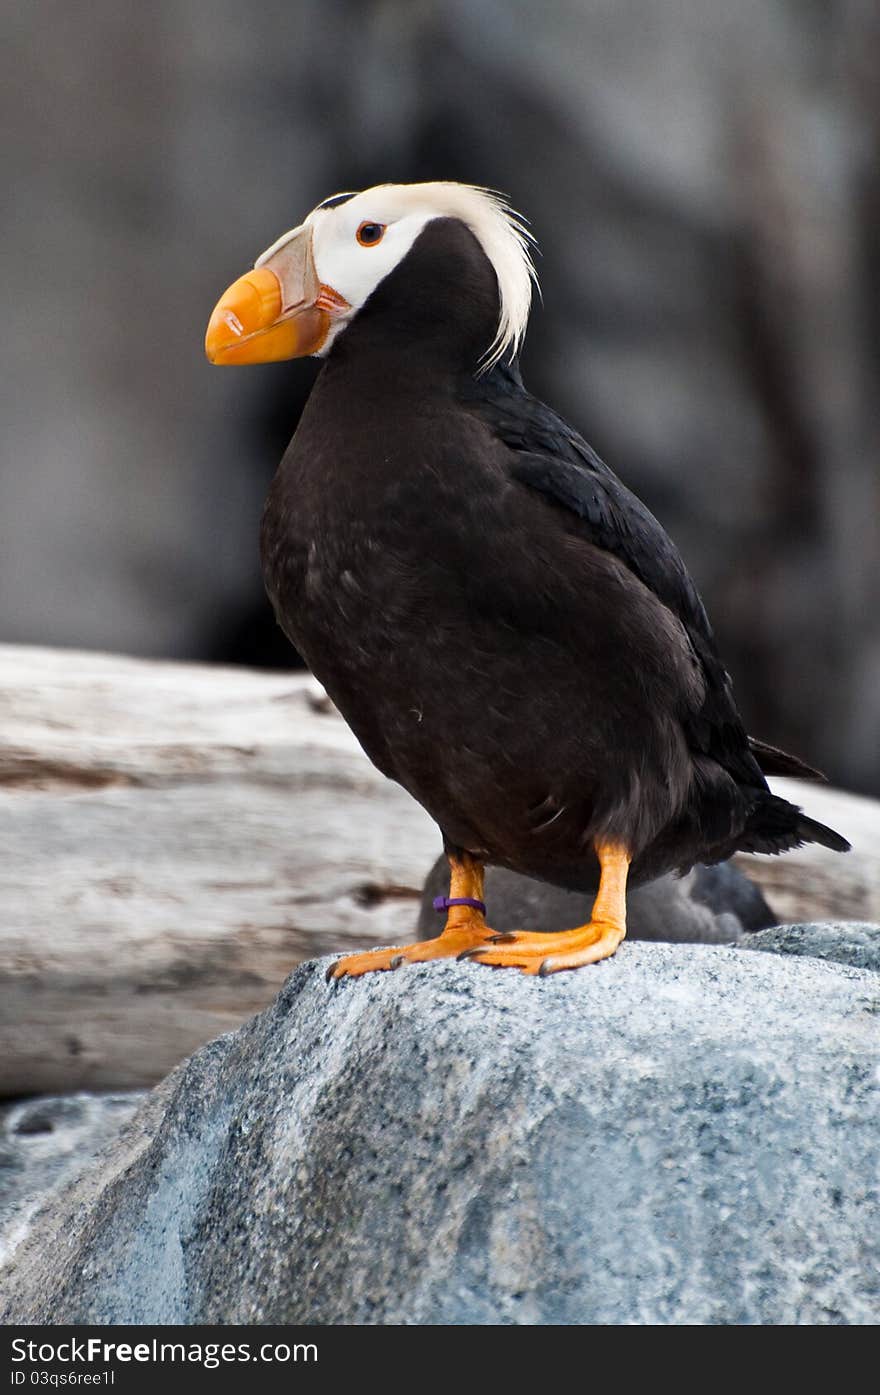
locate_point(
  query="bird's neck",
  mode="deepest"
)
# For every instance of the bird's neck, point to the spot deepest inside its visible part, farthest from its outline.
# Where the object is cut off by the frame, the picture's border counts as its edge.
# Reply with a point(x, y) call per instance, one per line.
point(430, 322)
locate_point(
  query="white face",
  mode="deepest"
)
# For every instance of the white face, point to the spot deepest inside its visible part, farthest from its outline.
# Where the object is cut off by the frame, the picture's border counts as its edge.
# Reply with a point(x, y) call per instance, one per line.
point(352, 264)
point(357, 244)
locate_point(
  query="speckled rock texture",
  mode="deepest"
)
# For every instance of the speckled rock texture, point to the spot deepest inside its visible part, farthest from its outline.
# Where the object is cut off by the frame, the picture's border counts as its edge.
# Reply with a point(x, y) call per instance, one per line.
point(683, 1134)
point(846, 942)
point(45, 1143)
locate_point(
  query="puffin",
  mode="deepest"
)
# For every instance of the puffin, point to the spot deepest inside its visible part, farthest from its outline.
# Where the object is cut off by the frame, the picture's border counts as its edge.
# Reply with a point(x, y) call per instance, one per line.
point(508, 631)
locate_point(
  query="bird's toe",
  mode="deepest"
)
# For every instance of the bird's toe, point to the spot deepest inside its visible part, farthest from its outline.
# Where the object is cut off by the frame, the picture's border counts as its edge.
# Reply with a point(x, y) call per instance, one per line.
point(455, 943)
point(543, 953)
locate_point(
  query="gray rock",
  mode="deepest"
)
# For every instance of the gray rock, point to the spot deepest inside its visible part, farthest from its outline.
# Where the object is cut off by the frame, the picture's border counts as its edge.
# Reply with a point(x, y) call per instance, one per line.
point(679, 1135)
point(47, 1142)
point(711, 905)
point(845, 942)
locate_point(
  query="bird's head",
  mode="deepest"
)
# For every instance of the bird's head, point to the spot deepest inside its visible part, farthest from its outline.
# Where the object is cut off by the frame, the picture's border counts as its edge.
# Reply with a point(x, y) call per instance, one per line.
point(311, 284)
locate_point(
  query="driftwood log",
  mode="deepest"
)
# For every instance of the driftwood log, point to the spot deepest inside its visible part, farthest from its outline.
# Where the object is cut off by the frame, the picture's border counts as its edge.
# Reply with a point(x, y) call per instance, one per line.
point(176, 838)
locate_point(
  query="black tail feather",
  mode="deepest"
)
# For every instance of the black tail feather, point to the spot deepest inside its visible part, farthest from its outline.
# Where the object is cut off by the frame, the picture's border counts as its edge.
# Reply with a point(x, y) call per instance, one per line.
point(775, 826)
point(773, 761)
point(811, 831)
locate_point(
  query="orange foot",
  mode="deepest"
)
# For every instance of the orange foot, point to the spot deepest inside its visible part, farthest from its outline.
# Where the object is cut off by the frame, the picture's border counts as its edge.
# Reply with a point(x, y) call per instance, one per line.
point(452, 944)
point(547, 953)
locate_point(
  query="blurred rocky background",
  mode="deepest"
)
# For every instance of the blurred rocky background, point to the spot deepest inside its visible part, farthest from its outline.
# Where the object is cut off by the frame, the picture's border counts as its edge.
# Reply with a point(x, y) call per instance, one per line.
point(704, 182)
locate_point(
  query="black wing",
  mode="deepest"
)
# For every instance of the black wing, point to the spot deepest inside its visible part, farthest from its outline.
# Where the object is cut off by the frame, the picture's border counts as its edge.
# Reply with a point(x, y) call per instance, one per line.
point(550, 456)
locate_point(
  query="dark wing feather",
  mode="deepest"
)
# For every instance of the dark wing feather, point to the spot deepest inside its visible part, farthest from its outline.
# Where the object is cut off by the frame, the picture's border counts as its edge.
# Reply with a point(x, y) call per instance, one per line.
point(550, 457)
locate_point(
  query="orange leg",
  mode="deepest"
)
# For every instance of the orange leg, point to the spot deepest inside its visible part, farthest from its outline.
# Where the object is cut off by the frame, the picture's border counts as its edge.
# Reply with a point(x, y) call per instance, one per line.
point(465, 929)
point(547, 953)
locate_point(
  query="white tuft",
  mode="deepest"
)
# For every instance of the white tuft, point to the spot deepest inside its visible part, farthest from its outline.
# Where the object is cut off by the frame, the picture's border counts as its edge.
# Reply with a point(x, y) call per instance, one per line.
point(505, 238)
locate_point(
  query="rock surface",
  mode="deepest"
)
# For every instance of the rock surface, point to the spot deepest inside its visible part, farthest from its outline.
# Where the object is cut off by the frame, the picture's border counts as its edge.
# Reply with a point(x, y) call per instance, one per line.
point(683, 1134)
point(45, 1143)
point(844, 942)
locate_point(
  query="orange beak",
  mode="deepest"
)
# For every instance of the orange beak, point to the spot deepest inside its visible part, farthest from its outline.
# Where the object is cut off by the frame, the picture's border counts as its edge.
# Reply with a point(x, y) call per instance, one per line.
point(277, 311)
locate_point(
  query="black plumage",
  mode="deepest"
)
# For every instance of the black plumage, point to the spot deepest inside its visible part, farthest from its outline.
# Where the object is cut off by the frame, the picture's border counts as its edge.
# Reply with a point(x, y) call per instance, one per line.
point(507, 629)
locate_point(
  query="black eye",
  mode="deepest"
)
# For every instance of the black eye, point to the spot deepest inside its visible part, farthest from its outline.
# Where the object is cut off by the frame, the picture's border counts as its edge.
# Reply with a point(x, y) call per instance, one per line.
point(368, 234)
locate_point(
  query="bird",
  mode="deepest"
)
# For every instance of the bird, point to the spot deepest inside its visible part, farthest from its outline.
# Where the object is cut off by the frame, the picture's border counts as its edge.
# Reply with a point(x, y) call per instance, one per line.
point(509, 632)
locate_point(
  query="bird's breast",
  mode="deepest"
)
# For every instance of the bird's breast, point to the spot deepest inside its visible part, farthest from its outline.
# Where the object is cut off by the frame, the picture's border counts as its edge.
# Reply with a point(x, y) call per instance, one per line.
point(341, 539)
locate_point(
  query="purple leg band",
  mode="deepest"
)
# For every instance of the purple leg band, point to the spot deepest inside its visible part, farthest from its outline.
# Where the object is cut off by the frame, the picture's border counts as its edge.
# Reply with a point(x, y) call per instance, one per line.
point(442, 903)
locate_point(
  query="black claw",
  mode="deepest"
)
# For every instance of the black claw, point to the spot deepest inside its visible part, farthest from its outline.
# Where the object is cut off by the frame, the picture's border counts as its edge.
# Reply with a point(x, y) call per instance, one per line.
point(466, 954)
point(544, 971)
point(397, 961)
point(504, 937)
point(330, 976)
